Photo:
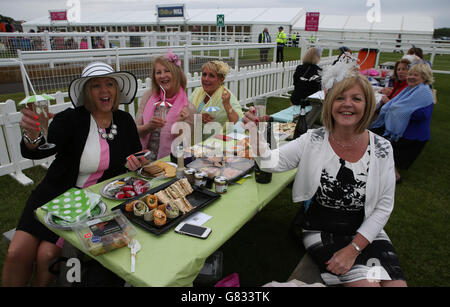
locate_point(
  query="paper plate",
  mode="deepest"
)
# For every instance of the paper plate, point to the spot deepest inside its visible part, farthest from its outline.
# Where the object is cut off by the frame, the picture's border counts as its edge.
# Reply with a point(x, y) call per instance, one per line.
point(54, 222)
point(106, 189)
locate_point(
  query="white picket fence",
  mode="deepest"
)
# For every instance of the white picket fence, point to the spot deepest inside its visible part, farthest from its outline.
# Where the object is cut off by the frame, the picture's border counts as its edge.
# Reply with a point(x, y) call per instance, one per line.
point(247, 83)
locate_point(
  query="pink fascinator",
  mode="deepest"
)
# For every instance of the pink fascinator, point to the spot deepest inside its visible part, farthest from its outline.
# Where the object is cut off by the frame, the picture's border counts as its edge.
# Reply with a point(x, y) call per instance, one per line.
point(172, 57)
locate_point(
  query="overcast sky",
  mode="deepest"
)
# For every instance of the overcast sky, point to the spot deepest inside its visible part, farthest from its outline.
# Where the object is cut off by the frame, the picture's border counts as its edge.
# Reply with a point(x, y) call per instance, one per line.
point(438, 9)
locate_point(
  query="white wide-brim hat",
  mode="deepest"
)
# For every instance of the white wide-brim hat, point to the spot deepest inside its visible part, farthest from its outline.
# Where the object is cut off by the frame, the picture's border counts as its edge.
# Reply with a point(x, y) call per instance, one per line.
point(126, 81)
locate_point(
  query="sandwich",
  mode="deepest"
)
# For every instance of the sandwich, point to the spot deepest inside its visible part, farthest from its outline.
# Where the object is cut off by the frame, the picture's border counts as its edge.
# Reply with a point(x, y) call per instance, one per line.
point(176, 194)
point(163, 197)
point(183, 204)
point(186, 185)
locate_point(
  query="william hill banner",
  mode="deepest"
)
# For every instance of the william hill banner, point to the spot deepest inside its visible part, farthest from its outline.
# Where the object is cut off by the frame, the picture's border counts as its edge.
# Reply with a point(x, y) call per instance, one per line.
point(170, 11)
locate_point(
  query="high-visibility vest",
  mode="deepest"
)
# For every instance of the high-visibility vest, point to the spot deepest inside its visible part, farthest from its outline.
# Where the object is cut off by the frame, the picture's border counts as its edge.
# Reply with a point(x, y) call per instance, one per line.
point(262, 36)
point(281, 38)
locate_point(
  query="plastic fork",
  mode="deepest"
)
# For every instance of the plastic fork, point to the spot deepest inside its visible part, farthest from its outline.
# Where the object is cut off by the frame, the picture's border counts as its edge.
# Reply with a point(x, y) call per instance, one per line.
point(135, 247)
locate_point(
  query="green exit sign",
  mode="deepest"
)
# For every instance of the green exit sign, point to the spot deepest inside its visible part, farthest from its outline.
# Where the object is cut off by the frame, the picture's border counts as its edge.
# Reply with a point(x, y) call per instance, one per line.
point(220, 20)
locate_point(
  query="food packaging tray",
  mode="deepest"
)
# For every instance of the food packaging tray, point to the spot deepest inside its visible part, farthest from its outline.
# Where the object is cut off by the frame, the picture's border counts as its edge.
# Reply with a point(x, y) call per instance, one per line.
point(199, 199)
point(105, 233)
point(233, 168)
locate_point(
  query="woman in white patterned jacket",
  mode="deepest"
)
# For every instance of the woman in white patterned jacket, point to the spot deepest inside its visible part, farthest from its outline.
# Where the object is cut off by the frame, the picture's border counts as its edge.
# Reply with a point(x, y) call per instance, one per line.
point(348, 174)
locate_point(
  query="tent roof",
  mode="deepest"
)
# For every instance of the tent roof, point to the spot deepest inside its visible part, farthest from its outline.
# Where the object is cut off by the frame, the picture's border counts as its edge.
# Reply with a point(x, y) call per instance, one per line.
point(254, 16)
point(418, 23)
point(389, 23)
point(193, 16)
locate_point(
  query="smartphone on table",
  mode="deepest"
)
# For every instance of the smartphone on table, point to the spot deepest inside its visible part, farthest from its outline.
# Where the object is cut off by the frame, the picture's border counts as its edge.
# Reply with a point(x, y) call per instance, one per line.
point(193, 230)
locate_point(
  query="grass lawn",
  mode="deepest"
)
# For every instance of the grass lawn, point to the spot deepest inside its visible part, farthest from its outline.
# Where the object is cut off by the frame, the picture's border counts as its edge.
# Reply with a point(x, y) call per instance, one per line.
point(265, 249)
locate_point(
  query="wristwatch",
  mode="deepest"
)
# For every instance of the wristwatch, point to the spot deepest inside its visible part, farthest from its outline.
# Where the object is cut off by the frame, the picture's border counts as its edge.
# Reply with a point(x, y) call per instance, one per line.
point(27, 139)
point(230, 111)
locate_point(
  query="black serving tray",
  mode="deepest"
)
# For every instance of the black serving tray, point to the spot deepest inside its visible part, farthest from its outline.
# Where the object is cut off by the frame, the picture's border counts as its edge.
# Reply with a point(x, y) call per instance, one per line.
point(199, 199)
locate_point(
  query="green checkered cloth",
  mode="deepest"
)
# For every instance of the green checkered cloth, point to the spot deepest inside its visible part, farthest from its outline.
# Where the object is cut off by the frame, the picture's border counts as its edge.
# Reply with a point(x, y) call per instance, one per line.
point(73, 206)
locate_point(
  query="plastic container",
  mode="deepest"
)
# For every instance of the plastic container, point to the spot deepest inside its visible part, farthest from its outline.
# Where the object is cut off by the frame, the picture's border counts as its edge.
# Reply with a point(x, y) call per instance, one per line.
point(106, 233)
point(231, 167)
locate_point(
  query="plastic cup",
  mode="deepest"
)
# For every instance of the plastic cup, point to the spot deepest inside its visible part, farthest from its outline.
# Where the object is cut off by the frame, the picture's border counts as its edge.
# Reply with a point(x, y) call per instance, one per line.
point(41, 108)
point(260, 106)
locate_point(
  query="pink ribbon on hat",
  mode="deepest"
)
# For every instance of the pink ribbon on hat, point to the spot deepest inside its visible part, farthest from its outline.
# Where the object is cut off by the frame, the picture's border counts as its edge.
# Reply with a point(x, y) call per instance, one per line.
point(172, 57)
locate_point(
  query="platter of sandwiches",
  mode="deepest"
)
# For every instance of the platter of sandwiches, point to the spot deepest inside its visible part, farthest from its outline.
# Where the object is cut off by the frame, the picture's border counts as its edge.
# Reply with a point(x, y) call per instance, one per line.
point(164, 206)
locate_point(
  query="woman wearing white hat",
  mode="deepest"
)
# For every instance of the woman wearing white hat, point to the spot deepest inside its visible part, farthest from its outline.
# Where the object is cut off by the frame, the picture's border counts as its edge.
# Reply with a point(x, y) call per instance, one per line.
point(93, 141)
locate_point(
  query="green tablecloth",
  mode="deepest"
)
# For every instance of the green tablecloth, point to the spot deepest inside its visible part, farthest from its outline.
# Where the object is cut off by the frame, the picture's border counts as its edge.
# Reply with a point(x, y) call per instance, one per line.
point(171, 259)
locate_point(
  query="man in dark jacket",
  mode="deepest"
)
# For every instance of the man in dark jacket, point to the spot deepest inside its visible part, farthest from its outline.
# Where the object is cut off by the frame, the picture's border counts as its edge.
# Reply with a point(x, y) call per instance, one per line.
point(264, 37)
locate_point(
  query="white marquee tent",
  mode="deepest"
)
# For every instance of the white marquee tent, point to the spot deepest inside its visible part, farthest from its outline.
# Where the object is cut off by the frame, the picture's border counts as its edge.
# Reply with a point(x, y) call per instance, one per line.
point(248, 20)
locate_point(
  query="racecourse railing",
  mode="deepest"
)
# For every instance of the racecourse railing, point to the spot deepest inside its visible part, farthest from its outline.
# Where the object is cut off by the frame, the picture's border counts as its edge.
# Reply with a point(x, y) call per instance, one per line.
point(53, 63)
point(10, 43)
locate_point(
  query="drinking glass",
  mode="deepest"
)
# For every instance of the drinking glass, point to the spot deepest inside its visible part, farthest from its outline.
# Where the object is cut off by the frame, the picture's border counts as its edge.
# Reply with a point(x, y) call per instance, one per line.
point(41, 109)
point(260, 106)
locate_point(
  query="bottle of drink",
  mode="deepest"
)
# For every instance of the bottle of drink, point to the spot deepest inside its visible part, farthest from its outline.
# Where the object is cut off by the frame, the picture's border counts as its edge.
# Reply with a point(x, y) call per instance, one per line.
point(386, 80)
point(180, 162)
point(301, 126)
point(260, 175)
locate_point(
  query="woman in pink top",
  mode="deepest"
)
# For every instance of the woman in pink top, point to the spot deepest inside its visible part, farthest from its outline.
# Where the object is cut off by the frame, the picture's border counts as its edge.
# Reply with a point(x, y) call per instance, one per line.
point(168, 88)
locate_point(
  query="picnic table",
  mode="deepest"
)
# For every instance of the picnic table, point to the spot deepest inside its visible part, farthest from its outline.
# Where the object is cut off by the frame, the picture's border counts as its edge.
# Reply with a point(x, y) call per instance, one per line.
point(171, 259)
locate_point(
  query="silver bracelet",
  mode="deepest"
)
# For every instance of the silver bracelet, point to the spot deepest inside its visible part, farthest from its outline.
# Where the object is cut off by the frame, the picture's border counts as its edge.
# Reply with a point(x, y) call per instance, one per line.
point(27, 139)
point(358, 249)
